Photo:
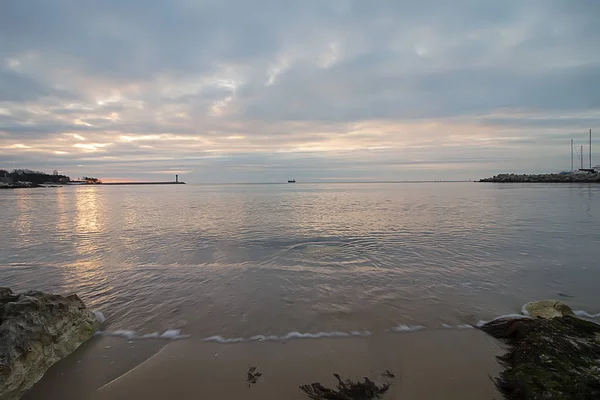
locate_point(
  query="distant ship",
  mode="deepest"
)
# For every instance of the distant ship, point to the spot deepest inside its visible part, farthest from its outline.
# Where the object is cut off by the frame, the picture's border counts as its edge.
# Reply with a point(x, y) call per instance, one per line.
point(291, 181)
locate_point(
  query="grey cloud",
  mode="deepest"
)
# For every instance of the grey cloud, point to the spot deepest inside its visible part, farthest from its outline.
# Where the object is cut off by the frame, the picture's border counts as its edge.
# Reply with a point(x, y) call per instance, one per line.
point(17, 87)
point(569, 123)
point(40, 130)
point(206, 94)
point(153, 67)
point(339, 95)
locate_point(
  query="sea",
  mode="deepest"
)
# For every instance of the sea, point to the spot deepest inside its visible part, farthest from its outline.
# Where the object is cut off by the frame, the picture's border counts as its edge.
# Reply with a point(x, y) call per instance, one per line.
point(280, 261)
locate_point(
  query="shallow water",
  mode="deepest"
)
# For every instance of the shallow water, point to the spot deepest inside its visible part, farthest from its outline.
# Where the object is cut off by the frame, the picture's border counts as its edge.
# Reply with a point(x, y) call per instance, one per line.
point(244, 260)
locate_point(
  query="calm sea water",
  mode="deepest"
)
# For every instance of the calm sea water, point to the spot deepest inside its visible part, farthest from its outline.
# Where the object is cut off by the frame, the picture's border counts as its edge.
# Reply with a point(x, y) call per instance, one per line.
point(243, 260)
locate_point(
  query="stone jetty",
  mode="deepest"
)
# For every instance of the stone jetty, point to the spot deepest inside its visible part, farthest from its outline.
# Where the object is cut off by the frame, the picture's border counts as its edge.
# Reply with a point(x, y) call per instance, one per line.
point(545, 178)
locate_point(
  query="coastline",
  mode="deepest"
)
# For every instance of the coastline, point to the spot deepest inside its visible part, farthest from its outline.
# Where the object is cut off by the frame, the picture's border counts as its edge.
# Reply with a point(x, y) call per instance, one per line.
point(448, 363)
point(544, 178)
point(88, 184)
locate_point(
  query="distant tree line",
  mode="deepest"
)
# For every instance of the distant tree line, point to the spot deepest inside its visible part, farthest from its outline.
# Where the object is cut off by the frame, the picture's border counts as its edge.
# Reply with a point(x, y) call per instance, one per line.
point(89, 179)
point(35, 177)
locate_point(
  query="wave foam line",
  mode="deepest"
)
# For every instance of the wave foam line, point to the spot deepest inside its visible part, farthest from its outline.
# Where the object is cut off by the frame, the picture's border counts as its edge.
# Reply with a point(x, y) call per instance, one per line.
point(407, 328)
point(459, 326)
point(581, 313)
point(169, 334)
point(174, 334)
point(289, 336)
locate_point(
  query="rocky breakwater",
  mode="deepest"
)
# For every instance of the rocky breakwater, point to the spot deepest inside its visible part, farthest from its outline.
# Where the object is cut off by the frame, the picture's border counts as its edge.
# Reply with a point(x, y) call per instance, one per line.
point(36, 331)
point(552, 354)
point(544, 178)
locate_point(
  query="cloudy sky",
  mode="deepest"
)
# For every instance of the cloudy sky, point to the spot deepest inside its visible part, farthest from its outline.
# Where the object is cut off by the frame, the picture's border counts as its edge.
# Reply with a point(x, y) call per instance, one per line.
point(318, 90)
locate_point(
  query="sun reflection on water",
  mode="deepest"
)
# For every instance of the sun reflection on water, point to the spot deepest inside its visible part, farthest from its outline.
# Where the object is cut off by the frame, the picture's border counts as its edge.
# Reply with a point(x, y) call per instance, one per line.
point(23, 222)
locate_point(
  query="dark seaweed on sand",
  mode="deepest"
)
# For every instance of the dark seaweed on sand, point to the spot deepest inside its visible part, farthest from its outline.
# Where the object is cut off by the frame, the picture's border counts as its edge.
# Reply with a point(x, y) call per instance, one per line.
point(252, 375)
point(346, 390)
point(388, 374)
point(556, 359)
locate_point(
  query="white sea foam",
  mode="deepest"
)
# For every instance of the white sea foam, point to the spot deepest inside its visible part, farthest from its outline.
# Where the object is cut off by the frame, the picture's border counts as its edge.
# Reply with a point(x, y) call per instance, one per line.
point(407, 328)
point(459, 326)
point(288, 336)
point(169, 334)
point(172, 334)
point(464, 326)
point(221, 339)
point(119, 333)
point(263, 338)
point(581, 313)
point(99, 317)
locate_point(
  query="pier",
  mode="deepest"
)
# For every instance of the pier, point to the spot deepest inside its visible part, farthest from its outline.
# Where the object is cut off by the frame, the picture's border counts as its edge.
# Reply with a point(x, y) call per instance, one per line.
point(141, 183)
point(98, 182)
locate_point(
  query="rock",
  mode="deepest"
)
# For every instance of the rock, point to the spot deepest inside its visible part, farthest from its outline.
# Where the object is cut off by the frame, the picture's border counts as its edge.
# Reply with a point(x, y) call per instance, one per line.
point(547, 309)
point(5, 292)
point(36, 331)
point(555, 358)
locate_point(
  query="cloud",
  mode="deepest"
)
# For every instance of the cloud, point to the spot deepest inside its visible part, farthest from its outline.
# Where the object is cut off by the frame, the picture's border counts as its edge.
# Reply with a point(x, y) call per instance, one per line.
point(17, 87)
point(237, 90)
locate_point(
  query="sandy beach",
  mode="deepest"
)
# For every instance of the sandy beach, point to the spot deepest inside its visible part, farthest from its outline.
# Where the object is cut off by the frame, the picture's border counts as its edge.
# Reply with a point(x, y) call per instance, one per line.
point(92, 365)
point(431, 364)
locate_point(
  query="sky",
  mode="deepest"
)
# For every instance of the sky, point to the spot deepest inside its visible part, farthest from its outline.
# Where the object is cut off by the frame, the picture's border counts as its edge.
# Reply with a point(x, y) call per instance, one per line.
point(317, 90)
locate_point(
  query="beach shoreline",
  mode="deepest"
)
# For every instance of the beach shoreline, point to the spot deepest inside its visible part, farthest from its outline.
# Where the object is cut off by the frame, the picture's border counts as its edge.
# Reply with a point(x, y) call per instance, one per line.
point(448, 363)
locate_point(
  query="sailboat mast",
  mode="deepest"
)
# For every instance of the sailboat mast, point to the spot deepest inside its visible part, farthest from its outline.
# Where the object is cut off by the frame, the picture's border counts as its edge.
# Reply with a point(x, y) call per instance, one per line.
point(590, 149)
point(571, 154)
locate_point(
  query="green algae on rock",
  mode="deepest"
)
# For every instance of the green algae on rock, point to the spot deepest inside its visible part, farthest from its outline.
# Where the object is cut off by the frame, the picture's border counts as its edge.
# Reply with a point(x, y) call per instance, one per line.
point(556, 358)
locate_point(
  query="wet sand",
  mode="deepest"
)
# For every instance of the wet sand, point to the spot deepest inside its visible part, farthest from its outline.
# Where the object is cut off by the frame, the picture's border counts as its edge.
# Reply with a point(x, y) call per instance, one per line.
point(435, 364)
point(93, 364)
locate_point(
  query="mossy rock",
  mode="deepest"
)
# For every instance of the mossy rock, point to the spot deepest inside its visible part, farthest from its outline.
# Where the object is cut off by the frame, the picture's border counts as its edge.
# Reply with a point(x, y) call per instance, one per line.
point(37, 330)
point(553, 358)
